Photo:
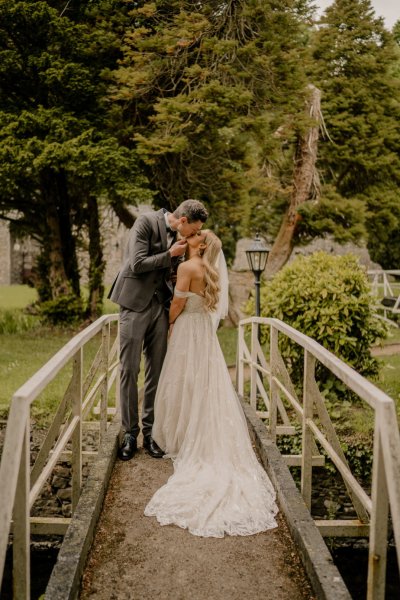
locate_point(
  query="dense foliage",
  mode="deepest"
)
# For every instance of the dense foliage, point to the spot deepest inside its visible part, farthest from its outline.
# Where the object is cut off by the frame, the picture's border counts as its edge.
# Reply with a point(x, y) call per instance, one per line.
point(327, 298)
point(212, 90)
point(355, 62)
point(111, 103)
point(59, 161)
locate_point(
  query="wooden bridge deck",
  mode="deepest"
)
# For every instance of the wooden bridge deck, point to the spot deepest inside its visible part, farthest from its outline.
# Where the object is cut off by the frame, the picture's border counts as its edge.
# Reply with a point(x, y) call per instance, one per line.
point(133, 557)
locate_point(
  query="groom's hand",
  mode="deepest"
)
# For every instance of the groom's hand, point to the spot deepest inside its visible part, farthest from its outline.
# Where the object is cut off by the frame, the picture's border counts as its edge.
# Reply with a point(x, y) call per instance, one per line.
point(178, 248)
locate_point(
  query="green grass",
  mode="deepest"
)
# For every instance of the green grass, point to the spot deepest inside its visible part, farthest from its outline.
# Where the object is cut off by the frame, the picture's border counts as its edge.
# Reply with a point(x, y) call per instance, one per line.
point(21, 356)
point(228, 340)
point(389, 380)
point(16, 296)
point(393, 337)
point(20, 296)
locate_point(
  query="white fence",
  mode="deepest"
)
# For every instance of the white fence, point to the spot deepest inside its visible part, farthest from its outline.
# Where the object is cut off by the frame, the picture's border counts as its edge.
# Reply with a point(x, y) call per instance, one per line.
point(19, 484)
point(383, 284)
point(312, 414)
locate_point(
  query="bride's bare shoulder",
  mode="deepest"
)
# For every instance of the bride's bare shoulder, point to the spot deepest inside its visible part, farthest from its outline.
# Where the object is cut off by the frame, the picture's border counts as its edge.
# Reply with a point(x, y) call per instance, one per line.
point(189, 267)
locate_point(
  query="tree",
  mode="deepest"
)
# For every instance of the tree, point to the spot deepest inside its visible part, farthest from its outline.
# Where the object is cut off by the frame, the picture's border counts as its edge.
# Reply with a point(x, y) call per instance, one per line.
point(354, 63)
point(206, 86)
point(58, 160)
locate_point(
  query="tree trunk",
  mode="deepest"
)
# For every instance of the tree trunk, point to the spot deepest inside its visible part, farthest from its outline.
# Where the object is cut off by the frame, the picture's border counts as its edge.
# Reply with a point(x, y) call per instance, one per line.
point(305, 186)
point(60, 286)
point(96, 265)
point(62, 264)
point(68, 241)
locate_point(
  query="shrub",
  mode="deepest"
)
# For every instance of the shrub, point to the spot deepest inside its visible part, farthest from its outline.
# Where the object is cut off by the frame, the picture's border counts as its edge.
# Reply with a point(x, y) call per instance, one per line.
point(327, 298)
point(15, 321)
point(64, 310)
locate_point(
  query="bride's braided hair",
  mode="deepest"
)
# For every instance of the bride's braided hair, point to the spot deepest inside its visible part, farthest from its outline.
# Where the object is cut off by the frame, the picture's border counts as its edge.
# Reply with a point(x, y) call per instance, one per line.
point(211, 275)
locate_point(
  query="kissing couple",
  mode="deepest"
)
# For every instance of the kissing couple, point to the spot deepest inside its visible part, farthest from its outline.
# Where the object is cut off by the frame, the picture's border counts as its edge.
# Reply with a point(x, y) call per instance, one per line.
point(190, 410)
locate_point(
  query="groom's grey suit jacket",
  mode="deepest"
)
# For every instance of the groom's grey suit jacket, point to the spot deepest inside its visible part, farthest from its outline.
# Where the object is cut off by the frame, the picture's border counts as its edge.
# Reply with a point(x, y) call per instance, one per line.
point(146, 270)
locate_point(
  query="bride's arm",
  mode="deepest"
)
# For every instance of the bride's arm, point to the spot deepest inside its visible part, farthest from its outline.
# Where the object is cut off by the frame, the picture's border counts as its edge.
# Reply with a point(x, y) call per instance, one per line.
point(183, 280)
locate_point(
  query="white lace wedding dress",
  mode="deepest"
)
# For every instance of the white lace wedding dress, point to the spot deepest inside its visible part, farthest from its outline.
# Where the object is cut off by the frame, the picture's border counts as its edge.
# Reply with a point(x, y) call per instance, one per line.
point(218, 485)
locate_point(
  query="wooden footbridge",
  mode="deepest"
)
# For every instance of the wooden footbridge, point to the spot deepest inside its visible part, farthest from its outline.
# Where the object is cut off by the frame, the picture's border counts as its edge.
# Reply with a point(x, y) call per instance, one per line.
point(132, 556)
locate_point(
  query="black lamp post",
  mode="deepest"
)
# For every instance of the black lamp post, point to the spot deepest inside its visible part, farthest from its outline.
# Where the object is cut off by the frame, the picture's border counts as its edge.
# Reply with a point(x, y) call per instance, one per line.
point(257, 256)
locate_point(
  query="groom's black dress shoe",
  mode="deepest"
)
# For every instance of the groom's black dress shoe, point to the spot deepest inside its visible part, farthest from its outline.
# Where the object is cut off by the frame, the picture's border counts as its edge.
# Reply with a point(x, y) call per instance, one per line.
point(151, 447)
point(128, 447)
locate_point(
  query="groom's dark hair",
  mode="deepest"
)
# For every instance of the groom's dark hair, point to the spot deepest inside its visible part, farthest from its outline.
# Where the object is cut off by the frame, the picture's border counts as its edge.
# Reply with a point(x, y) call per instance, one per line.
point(193, 210)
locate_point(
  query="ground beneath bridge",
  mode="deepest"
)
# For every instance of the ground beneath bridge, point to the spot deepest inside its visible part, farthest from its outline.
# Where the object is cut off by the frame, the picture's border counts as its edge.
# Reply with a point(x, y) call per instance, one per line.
point(134, 558)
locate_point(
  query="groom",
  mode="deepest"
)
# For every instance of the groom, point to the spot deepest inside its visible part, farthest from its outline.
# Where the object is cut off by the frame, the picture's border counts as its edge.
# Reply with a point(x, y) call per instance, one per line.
point(143, 289)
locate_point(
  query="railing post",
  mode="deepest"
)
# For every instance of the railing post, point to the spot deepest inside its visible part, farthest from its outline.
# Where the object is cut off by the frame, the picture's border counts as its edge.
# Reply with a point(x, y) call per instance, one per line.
point(118, 375)
point(105, 341)
point(307, 436)
point(239, 361)
point(21, 540)
point(379, 520)
point(273, 388)
point(76, 461)
point(253, 369)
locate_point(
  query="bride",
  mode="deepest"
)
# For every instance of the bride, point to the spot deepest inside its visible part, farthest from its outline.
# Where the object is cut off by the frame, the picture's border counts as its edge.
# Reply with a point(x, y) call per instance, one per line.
point(218, 485)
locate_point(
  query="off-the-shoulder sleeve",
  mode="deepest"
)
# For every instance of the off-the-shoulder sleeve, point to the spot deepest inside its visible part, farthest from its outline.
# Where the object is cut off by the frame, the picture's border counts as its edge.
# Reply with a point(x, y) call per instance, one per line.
point(180, 294)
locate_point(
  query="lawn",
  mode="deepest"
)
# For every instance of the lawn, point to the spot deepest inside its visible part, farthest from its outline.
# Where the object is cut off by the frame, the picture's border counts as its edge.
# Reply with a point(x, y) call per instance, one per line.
point(22, 354)
point(16, 296)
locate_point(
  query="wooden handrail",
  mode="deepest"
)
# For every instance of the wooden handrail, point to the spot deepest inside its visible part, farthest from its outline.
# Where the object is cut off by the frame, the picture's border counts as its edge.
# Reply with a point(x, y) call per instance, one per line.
point(17, 492)
point(386, 455)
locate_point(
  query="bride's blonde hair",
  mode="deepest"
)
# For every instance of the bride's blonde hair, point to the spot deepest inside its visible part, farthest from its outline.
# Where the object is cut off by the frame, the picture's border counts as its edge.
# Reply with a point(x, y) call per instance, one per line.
point(209, 255)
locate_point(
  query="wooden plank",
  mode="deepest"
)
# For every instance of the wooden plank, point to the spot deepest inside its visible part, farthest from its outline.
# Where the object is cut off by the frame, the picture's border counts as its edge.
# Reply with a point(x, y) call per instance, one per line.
point(285, 430)
point(21, 541)
point(61, 443)
point(52, 433)
point(9, 468)
point(76, 438)
point(356, 382)
point(66, 455)
point(307, 438)
point(342, 528)
point(88, 401)
point(105, 341)
point(47, 525)
point(292, 399)
point(92, 372)
point(379, 522)
point(295, 460)
point(343, 469)
point(390, 440)
point(253, 370)
point(332, 438)
point(239, 362)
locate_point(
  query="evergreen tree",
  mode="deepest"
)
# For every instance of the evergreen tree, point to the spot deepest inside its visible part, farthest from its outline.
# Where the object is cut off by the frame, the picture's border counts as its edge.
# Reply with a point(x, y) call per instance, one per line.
point(355, 62)
point(58, 161)
point(212, 91)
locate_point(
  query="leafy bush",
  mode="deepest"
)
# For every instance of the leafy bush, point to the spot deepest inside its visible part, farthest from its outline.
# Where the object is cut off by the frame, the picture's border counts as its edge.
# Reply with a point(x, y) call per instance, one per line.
point(64, 310)
point(16, 321)
point(328, 299)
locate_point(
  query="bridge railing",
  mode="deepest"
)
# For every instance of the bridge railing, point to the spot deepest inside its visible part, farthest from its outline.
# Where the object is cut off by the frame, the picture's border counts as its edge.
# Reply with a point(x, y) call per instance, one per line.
point(382, 284)
point(19, 484)
point(310, 410)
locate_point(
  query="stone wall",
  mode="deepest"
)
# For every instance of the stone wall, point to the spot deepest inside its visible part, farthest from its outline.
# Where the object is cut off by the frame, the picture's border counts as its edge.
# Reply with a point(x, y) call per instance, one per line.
point(241, 280)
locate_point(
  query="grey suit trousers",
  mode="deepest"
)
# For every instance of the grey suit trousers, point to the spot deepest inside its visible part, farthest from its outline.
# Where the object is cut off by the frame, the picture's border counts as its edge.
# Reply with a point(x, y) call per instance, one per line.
point(147, 329)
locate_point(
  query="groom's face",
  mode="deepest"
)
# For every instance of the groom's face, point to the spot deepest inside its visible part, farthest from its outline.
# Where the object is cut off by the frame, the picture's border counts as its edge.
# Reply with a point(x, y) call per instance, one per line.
point(187, 229)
